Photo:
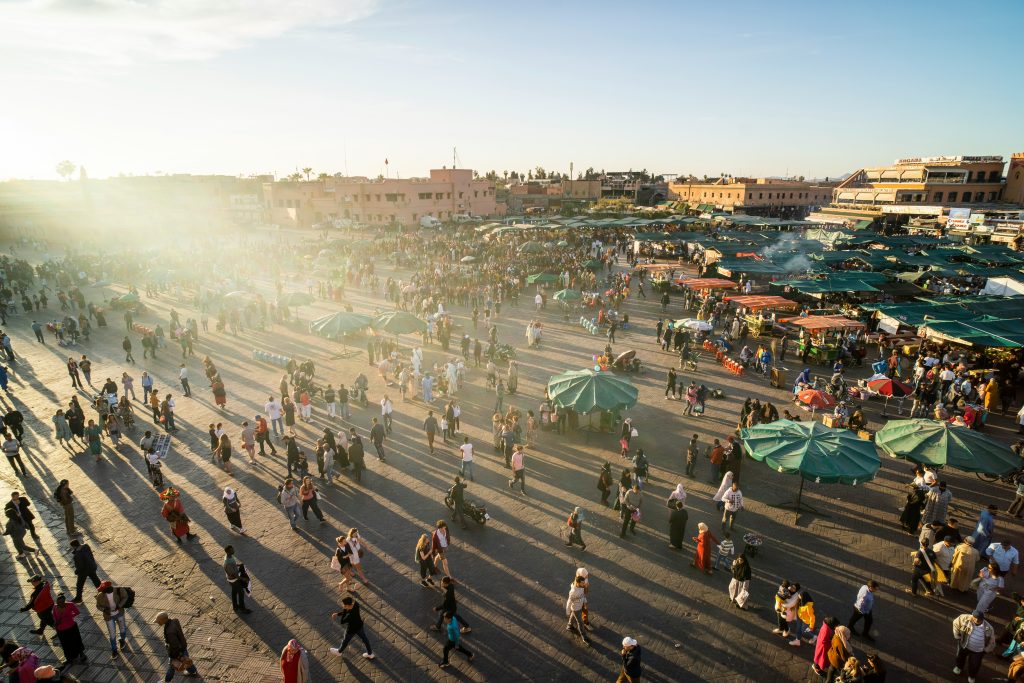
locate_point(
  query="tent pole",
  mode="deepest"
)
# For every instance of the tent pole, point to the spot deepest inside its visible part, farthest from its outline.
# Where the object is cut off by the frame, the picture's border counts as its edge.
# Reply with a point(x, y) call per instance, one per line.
point(799, 497)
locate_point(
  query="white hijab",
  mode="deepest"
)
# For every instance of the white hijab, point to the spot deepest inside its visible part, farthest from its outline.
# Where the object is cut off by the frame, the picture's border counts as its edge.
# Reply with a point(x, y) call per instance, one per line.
point(678, 494)
point(726, 485)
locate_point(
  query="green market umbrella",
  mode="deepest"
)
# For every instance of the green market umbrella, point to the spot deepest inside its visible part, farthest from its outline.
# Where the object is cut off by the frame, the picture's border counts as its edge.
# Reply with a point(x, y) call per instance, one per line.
point(532, 247)
point(236, 298)
point(295, 299)
point(398, 322)
point(336, 325)
point(542, 279)
point(817, 453)
point(593, 264)
point(467, 259)
point(567, 295)
point(129, 298)
point(931, 442)
point(585, 390)
point(562, 243)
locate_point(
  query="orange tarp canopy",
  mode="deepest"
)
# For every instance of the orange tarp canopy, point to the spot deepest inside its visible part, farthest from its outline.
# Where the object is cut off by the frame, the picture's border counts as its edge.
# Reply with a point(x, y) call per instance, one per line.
point(756, 303)
point(706, 283)
point(818, 323)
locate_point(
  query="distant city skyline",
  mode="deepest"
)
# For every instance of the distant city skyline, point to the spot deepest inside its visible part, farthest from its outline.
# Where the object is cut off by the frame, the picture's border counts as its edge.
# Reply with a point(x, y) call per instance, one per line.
point(262, 87)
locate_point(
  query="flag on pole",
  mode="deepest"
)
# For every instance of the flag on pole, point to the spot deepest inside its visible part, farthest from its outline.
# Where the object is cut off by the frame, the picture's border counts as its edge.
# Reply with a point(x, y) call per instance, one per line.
point(385, 162)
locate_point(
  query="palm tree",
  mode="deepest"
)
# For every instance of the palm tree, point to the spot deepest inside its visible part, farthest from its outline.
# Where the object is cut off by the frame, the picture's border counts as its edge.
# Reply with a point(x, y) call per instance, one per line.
point(65, 169)
point(306, 171)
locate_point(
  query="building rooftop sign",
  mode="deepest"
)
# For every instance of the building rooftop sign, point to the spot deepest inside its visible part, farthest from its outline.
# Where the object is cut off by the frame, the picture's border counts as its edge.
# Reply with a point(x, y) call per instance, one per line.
point(950, 160)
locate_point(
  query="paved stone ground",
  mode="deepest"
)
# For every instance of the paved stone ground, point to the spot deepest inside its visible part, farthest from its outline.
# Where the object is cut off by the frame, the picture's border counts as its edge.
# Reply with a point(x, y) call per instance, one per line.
point(514, 572)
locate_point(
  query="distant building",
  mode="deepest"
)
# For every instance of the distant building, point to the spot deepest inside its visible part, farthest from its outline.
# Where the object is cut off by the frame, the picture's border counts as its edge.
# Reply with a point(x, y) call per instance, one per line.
point(927, 186)
point(639, 188)
point(447, 193)
point(551, 195)
point(179, 202)
point(780, 197)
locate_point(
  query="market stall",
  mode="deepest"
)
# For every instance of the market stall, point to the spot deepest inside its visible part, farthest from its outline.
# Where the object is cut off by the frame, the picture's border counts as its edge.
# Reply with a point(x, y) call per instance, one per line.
point(821, 335)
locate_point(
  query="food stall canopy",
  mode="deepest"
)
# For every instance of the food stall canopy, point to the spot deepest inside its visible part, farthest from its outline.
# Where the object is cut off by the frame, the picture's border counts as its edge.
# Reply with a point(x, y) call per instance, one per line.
point(822, 323)
point(707, 283)
point(1003, 286)
point(733, 266)
point(995, 333)
point(758, 302)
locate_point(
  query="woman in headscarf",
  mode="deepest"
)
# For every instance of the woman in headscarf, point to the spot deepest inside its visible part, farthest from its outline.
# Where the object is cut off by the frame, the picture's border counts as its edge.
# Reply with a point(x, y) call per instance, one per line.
point(838, 652)
point(233, 509)
point(726, 485)
point(706, 542)
point(582, 573)
point(679, 494)
point(961, 571)
point(677, 524)
point(60, 425)
point(294, 663)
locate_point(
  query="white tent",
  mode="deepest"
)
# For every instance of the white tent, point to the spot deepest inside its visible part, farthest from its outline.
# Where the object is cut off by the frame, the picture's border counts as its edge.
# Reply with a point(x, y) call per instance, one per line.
point(1003, 286)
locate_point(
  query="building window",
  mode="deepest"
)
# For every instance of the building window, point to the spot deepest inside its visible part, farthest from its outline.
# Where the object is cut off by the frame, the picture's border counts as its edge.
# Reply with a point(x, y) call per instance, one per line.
point(937, 197)
point(760, 195)
point(367, 197)
point(995, 176)
point(476, 194)
point(953, 196)
point(391, 196)
point(460, 195)
point(979, 196)
point(425, 195)
point(439, 195)
point(449, 195)
point(414, 217)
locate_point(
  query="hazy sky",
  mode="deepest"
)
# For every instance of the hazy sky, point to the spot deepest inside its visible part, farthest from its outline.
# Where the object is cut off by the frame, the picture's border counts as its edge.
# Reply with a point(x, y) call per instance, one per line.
point(269, 86)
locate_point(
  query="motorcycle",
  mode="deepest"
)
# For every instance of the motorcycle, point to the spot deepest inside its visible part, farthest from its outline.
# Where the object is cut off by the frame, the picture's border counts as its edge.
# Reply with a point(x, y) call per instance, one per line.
point(357, 394)
point(478, 513)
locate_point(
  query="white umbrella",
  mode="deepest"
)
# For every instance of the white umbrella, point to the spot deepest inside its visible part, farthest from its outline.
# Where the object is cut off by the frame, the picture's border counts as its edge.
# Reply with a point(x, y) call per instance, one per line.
point(694, 324)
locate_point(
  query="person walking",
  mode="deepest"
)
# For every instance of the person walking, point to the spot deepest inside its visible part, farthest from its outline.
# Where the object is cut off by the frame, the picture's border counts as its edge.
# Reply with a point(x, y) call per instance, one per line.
point(76, 380)
point(425, 560)
point(574, 605)
point(518, 470)
point(440, 540)
point(691, 456)
point(174, 512)
point(351, 617)
point(12, 449)
point(974, 637)
point(453, 641)
point(112, 603)
point(575, 526)
point(233, 572)
point(677, 520)
point(233, 509)
point(40, 602)
point(262, 433)
point(739, 584)
point(309, 495)
point(356, 455)
point(177, 647)
point(15, 528)
point(449, 605)
point(288, 496)
point(126, 344)
point(183, 378)
point(733, 501)
point(629, 511)
point(294, 663)
point(430, 428)
point(705, 542)
point(632, 662)
point(248, 438)
point(862, 609)
point(19, 505)
point(70, 637)
point(377, 435)
point(466, 450)
point(85, 567)
point(351, 549)
point(604, 483)
point(66, 497)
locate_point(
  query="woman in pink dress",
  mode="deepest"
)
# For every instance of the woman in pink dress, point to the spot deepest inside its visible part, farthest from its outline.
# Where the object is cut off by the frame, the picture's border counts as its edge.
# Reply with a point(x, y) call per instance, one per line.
point(294, 663)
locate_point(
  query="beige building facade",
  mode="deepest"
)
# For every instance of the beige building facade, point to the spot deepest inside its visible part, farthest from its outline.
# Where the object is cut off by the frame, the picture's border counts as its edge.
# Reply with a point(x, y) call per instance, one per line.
point(447, 193)
point(756, 196)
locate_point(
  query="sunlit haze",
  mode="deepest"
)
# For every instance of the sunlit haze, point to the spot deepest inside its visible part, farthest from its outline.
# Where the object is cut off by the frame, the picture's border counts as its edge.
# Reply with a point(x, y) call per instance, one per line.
point(239, 88)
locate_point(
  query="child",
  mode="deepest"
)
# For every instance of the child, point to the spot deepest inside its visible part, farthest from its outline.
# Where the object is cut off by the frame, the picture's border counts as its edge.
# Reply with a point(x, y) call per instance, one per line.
point(725, 550)
point(444, 428)
point(305, 406)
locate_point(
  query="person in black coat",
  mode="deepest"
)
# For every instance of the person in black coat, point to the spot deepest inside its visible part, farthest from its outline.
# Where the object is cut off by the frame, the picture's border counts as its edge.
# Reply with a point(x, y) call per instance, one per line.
point(85, 567)
point(353, 620)
point(15, 422)
point(18, 506)
point(677, 526)
point(449, 605)
point(355, 455)
point(632, 668)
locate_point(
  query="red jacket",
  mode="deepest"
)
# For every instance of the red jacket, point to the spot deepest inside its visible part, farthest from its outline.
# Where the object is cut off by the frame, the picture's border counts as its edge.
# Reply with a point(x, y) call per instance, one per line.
point(42, 598)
